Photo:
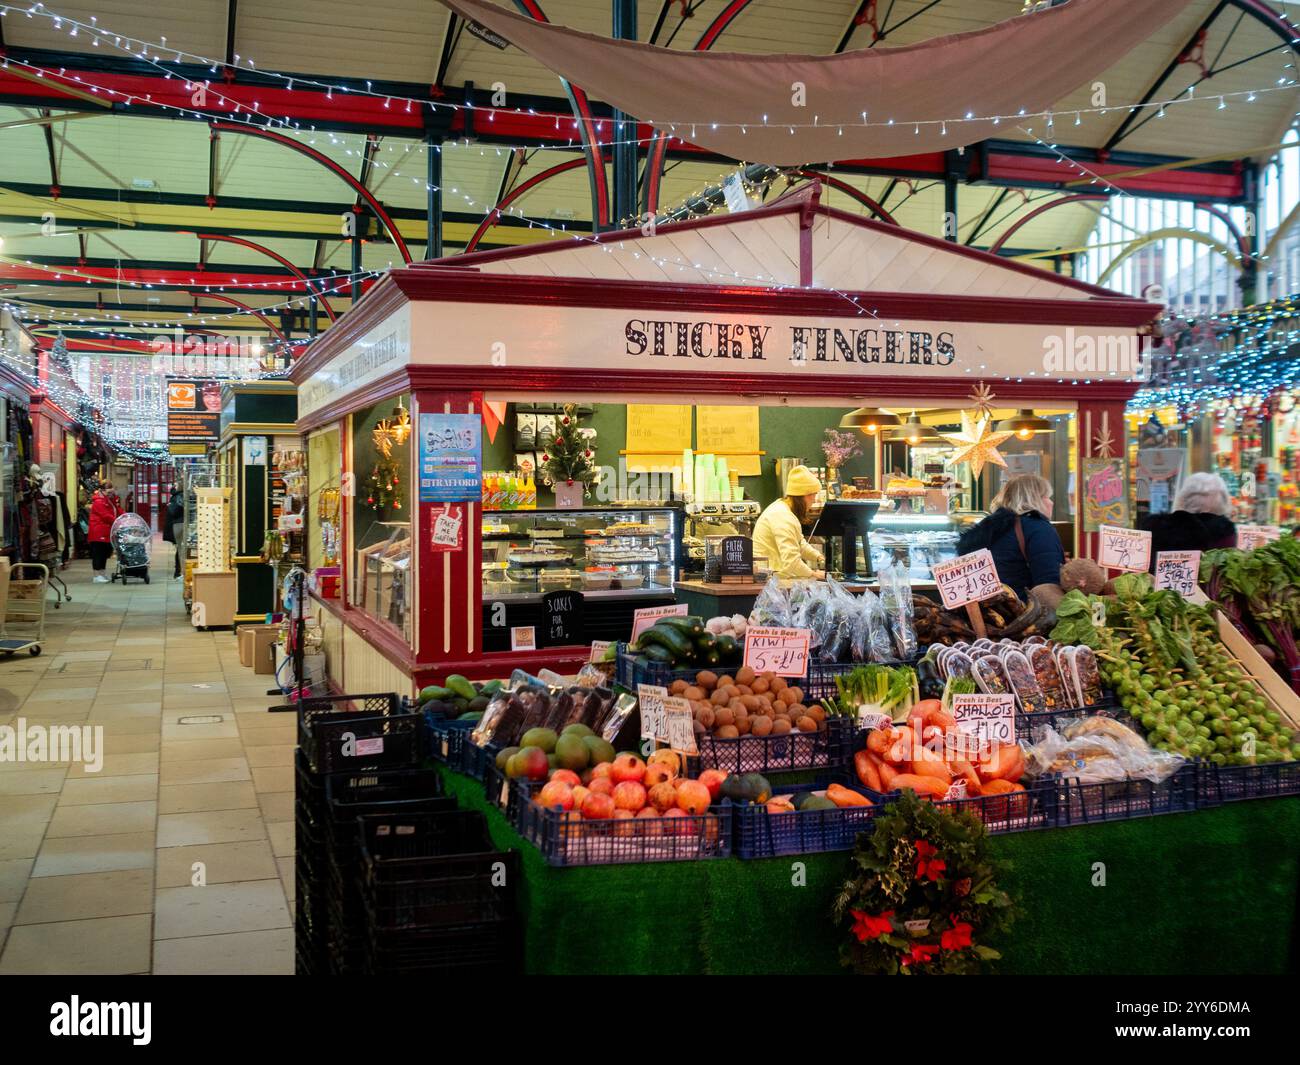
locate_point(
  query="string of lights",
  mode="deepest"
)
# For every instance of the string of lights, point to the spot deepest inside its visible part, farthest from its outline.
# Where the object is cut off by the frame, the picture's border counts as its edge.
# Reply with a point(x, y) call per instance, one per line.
point(126, 43)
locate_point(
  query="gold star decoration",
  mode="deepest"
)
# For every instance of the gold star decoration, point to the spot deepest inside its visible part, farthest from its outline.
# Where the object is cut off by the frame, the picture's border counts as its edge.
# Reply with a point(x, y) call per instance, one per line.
point(1102, 442)
point(976, 443)
point(981, 397)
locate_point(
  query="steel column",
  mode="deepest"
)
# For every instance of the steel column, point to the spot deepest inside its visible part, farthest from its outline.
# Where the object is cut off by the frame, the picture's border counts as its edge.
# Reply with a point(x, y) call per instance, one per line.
point(625, 127)
point(433, 239)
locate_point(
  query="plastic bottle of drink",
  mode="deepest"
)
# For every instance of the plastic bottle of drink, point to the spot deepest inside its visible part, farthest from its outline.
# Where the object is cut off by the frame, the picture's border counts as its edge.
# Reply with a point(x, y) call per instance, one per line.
point(530, 493)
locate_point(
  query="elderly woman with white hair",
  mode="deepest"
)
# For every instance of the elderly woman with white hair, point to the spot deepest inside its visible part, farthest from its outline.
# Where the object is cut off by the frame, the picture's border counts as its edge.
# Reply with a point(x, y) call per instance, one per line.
point(1199, 520)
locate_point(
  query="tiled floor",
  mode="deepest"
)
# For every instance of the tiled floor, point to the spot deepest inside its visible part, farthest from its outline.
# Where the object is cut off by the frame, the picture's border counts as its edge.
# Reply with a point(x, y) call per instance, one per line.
point(98, 871)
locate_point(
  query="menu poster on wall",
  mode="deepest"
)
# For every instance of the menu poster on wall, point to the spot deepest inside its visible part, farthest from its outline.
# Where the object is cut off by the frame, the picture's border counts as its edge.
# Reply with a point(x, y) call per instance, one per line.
point(731, 431)
point(657, 434)
point(451, 463)
point(1105, 493)
point(193, 411)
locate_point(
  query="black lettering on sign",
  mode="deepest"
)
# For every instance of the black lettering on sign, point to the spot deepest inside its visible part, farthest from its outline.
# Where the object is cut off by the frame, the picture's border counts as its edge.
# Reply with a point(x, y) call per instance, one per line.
point(737, 556)
point(561, 623)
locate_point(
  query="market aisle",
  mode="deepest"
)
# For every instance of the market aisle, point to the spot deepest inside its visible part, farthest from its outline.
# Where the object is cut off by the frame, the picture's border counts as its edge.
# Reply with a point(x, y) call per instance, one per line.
point(97, 869)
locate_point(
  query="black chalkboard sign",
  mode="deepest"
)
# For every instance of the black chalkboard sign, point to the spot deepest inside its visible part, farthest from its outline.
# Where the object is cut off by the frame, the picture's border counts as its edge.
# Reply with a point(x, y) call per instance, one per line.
point(737, 557)
point(561, 622)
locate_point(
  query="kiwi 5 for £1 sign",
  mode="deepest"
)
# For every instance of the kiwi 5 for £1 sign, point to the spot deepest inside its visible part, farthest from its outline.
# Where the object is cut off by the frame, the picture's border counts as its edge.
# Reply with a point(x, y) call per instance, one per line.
point(770, 649)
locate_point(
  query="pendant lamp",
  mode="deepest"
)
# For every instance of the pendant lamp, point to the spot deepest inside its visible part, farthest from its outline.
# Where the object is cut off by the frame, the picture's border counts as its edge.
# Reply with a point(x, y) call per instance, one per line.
point(1025, 425)
point(914, 432)
point(869, 420)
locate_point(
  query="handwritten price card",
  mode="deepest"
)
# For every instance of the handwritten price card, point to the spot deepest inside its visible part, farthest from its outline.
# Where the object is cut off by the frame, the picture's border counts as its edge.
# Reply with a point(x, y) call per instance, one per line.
point(1178, 571)
point(769, 649)
point(598, 649)
point(646, 617)
point(986, 718)
point(967, 579)
point(1124, 549)
point(680, 722)
point(1252, 536)
point(651, 698)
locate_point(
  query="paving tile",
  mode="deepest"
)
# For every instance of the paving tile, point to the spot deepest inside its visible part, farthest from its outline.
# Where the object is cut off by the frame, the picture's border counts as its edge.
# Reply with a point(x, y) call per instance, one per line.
point(223, 730)
point(88, 790)
point(192, 798)
point(264, 953)
point(201, 750)
point(273, 778)
point(21, 842)
point(101, 818)
point(13, 878)
point(213, 826)
point(271, 754)
point(103, 947)
point(245, 906)
point(268, 737)
point(222, 863)
point(205, 771)
point(120, 765)
point(275, 805)
point(32, 781)
point(25, 811)
point(53, 692)
point(281, 834)
point(86, 895)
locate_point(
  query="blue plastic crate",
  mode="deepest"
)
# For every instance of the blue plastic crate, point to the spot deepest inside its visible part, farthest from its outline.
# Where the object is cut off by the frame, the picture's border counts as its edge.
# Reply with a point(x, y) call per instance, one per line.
point(1021, 811)
point(1190, 788)
point(829, 748)
point(632, 669)
point(1026, 723)
point(505, 794)
point(1234, 783)
point(565, 839)
point(760, 833)
point(447, 739)
point(475, 760)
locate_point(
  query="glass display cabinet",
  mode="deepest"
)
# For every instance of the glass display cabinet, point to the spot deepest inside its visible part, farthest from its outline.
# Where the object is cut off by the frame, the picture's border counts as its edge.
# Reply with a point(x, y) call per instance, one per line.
point(917, 540)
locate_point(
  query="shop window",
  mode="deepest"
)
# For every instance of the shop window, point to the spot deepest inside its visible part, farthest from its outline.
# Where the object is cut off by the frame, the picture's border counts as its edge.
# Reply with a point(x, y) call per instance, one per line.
point(381, 508)
point(324, 486)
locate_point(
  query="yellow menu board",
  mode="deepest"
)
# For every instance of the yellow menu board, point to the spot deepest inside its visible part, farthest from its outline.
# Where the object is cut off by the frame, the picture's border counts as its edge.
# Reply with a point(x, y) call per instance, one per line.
point(657, 434)
point(732, 432)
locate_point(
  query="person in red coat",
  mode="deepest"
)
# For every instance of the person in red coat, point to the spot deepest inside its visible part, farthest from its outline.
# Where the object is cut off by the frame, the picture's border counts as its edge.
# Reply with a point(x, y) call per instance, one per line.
point(104, 510)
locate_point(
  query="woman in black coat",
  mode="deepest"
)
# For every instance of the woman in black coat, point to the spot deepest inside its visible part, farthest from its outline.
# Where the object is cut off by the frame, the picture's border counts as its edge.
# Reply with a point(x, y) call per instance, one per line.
point(1198, 522)
point(1018, 533)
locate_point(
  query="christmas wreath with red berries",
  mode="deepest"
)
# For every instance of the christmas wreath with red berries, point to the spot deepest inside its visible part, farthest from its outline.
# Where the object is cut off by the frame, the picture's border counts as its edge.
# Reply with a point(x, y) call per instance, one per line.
point(923, 897)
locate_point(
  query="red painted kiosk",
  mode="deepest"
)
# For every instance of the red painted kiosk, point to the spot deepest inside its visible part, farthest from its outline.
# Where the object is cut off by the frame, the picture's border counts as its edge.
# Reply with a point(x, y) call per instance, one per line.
point(793, 304)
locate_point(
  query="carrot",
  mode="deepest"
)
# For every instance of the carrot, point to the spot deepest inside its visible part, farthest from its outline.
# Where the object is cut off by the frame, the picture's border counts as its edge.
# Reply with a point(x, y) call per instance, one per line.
point(865, 765)
point(923, 786)
point(966, 770)
point(1005, 763)
point(878, 741)
point(842, 796)
point(929, 765)
point(888, 774)
point(944, 721)
point(999, 787)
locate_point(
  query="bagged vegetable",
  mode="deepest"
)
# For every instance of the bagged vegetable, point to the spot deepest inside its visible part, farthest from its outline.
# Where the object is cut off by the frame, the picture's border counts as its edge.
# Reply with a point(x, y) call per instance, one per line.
point(772, 607)
point(871, 642)
point(896, 596)
point(1095, 750)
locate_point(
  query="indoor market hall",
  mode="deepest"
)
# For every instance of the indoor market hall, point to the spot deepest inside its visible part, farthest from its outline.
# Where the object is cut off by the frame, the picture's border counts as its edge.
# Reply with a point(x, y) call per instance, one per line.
point(194, 786)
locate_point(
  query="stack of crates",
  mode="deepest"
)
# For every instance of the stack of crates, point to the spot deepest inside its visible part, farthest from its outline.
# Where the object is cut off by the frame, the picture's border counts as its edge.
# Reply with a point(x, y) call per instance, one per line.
point(438, 899)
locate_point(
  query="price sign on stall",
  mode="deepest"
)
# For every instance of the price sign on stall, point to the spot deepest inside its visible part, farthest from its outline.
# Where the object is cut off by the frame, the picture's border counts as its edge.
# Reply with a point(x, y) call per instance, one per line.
point(1252, 536)
point(680, 725)
point(598, 649)
point(645, 617)
point(650, 698)
point(769, 649)
point(967, 579)
point(1178, 571)
point(1128, 550)
point(985, 718)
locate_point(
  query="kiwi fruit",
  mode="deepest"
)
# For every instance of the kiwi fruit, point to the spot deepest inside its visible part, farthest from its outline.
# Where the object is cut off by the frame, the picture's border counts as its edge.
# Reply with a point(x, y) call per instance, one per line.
point(780, 726)
point(797, 692)
point(727, 732)
point(705, 716)
point(806, 724)
point(692, 692)
point(778, 684)
point(761, 685)
point(745, 675)
point(724, 717)
point(761, 725)
point(720, 697)
point(744, 725)
point(705, 679)
point(787, 697)
point(677, 687)
point(724, 681)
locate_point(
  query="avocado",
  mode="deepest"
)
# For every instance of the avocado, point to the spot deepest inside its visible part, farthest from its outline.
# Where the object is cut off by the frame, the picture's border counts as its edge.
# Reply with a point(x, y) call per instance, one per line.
point(473, 715)
point(577, 729)
point(461, 687)
point(479, 704)
point(504, 755)
point(540, 737)
point(490, 687)
point(815, 802)
point(440, 707)
point(433, 691)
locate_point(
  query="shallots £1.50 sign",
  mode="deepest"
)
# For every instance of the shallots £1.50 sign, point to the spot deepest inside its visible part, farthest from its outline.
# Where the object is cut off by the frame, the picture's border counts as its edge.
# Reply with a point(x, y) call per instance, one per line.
point(769, 649)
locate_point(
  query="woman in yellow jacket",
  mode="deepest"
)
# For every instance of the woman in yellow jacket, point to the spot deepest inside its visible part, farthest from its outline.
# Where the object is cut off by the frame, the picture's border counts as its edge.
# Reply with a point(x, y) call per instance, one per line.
point(778, 534)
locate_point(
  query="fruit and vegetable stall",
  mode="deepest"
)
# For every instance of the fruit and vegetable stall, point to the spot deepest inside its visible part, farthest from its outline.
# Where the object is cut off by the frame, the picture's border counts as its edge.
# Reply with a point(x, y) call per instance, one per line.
point(1063, 794)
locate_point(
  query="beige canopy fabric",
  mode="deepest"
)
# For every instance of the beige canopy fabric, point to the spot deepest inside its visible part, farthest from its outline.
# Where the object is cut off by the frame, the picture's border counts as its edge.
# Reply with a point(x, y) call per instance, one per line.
point(788, 110)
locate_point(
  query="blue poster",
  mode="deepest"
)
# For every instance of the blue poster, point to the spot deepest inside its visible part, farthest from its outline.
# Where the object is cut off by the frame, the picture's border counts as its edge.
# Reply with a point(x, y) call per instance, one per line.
point(451, 465)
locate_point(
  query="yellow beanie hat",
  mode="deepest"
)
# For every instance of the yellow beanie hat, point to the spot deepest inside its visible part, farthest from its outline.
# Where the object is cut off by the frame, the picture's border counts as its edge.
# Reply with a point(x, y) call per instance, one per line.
point(801, 482)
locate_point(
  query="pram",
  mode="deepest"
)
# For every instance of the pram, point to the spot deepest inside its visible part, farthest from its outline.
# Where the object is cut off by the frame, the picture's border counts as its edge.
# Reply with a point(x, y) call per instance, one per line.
point(132, 541)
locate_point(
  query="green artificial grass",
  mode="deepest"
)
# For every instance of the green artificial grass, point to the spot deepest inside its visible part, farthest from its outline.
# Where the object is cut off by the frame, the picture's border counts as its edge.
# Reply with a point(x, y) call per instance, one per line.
point(1207, 892)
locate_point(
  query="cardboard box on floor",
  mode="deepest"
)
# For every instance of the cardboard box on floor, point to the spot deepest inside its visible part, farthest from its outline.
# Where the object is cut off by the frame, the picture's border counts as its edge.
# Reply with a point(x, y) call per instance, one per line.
point(256, 647)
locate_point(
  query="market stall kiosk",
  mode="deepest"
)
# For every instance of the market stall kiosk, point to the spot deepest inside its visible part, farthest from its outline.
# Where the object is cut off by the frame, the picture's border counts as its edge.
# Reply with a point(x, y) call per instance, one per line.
point(258, 445)
point(794, 304)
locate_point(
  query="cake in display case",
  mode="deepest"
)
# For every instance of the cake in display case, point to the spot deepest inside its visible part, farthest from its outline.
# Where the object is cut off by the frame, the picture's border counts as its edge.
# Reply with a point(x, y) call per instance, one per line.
point(917, 540)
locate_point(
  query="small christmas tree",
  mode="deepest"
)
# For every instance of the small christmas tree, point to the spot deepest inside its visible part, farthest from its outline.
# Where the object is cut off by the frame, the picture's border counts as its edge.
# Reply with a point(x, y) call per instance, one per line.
point(569, 457)
point(385, 485)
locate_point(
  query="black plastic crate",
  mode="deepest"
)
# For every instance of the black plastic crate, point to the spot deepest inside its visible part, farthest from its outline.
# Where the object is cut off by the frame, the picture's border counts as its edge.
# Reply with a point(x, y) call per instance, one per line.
point(1122, 800)
point(829, 748)
point(632, 669)
point(1028, 721)
point(1234, 783)
point(492, 948)
point(565, 838)
point(819, 684)
point(761, 833)
point(356, 740)
point(1019, 811)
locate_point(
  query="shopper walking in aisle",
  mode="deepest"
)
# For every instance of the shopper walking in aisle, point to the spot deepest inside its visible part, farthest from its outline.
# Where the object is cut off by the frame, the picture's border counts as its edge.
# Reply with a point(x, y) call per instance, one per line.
point(172, 532)
point(1199, 521)
point(1018, 533)
point(104, 510)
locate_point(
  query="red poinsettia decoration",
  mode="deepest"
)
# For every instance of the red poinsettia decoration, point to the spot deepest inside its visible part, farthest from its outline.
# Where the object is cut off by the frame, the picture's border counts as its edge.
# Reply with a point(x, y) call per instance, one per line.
point(957, 937)
point(920, 954)
point(867, 927)
point(927, 866)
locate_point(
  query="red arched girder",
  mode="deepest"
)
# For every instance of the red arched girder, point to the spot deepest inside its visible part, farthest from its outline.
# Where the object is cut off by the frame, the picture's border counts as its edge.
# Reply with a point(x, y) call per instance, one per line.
point(1076, 198)
point(587, 127)
point(329, 164)
point(245, 308)
point(514, 194)
point(857, 194)
point(654, 164)
point(274, 255)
